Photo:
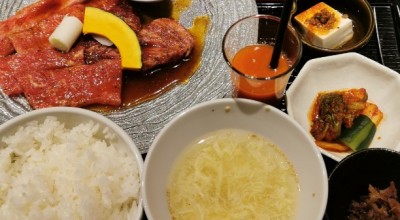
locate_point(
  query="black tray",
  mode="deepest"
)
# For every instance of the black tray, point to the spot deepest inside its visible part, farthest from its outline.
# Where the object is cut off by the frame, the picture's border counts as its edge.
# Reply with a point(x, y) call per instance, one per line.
point(383, 46)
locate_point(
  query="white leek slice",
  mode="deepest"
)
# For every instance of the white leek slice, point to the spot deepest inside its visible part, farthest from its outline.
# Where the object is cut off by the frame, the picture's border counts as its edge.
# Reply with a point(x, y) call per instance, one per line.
point(102, 40)
point(66, 33)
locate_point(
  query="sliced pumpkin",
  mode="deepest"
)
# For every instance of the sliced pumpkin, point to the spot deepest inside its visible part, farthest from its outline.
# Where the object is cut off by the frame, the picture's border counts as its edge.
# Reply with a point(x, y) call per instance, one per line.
point(100, 22)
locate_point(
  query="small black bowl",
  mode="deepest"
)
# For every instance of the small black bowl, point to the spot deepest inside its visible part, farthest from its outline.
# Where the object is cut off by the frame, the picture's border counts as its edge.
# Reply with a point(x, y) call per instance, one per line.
point(359, 11)
point(351, 177)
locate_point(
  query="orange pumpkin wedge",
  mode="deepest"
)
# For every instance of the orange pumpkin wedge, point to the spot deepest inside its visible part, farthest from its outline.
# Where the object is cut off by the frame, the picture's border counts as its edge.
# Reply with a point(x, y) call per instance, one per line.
point(103, 23)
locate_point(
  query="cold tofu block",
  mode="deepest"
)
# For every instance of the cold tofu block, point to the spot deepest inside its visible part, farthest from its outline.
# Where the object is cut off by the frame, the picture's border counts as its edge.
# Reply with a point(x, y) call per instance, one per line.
point(323, 26)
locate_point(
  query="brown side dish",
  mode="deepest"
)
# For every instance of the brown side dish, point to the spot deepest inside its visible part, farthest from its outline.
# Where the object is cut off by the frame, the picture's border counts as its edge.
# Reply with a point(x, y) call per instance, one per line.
point(378, 204)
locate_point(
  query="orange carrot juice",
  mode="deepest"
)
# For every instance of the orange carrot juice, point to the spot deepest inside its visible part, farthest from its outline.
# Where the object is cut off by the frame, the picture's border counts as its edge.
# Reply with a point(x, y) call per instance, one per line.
point(254, 60)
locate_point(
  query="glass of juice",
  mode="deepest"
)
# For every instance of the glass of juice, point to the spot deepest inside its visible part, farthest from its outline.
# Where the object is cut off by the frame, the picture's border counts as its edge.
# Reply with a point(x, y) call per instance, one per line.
point(247, 48)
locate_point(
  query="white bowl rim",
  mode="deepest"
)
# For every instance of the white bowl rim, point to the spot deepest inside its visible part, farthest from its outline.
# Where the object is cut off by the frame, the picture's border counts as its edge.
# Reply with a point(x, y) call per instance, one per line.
point(227, 101)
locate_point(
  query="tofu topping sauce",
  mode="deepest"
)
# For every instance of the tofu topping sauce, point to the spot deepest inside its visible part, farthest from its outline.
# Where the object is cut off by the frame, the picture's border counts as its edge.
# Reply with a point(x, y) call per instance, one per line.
point(323, 19)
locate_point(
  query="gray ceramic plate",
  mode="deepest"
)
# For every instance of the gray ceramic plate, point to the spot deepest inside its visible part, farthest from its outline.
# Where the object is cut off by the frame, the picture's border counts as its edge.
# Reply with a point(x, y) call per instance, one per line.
point(211, 80)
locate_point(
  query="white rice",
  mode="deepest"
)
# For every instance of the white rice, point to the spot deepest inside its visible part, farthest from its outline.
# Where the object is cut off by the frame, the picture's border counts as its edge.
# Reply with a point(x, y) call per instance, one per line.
point(48, 171)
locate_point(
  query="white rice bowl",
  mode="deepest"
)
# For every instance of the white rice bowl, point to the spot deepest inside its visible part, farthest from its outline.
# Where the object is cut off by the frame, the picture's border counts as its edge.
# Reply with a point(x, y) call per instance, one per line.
point(68, 163)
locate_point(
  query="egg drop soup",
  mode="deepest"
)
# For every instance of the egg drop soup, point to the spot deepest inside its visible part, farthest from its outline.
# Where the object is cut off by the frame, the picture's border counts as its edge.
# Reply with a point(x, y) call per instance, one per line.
point(233, 174)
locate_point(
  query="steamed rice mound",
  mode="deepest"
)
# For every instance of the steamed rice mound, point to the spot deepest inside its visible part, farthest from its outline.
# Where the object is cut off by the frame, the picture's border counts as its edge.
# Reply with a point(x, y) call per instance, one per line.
point(48, 171)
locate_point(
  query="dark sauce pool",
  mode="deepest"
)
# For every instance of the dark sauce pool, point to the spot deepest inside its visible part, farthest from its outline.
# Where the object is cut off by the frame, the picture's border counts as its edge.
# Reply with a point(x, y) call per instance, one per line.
point(139, 87)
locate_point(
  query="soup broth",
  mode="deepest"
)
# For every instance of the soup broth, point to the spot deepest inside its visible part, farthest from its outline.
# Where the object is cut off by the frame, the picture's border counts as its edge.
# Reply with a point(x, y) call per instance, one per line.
point(233, 174)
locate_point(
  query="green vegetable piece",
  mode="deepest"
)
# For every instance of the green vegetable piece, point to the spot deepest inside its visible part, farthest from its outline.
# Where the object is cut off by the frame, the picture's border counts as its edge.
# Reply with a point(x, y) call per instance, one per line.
point(360, 135)
point(369, 138)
